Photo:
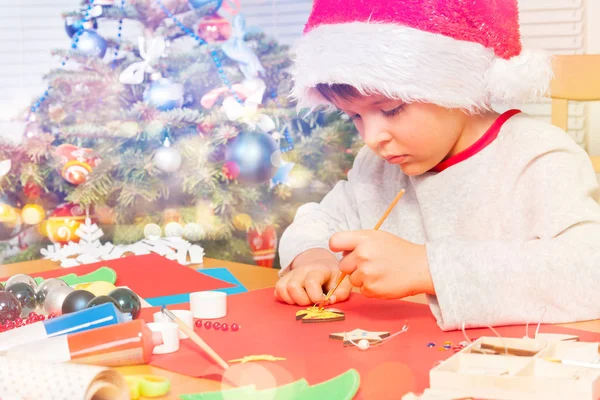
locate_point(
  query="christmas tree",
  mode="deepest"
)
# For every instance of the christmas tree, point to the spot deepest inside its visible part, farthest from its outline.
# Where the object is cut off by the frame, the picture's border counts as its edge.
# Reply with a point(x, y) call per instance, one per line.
point(189, 124)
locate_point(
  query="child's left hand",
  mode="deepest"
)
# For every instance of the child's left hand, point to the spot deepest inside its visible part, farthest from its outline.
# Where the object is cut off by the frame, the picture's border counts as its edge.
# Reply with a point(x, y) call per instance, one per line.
point(383, 265)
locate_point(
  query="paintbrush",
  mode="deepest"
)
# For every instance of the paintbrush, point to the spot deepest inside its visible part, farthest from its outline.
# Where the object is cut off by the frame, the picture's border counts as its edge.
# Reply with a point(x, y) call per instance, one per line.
point(377, 226)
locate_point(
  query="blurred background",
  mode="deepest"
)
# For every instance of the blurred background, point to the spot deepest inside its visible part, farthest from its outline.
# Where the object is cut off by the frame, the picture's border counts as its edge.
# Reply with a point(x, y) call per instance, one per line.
point(171, 118)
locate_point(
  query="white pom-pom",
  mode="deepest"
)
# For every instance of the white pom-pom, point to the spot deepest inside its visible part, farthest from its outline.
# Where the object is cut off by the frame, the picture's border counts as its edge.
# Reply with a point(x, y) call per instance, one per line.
point(521, 79)
point(363, 344)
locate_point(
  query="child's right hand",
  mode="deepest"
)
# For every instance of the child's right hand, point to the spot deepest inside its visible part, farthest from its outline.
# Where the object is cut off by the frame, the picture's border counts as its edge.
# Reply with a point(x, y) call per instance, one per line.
point(313, 273)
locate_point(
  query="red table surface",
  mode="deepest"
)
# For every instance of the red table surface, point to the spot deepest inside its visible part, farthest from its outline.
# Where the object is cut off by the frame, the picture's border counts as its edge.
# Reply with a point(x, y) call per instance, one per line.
point(268, 327)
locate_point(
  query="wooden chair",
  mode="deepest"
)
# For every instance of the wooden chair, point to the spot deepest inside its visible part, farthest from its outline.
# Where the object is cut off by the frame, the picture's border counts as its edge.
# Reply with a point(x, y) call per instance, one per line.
point(577, 78)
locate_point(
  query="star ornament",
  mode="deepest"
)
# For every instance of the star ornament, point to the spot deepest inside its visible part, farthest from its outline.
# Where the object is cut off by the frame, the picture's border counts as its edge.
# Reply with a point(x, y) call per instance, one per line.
point(359, 334)
point(316, 314)
point(261, 357)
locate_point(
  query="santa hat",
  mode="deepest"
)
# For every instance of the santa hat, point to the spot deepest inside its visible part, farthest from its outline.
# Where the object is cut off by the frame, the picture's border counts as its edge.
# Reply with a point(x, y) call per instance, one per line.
point(454, 53)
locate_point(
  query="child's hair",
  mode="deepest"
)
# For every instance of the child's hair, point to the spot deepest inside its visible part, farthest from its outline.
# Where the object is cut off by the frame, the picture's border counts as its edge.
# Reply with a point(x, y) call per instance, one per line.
point(333, 91)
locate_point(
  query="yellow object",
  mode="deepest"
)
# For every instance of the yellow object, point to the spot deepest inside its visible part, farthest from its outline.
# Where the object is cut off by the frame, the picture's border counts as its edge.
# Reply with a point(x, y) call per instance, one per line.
point(242, 222)
point(8, 215)
point(576, 78)
point(100, 288)
point(262, 357)
point(33, 214)
point(147, 386)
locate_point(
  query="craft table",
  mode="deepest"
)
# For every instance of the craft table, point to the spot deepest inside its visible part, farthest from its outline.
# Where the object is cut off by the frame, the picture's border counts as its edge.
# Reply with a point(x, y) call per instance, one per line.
point(252, 277)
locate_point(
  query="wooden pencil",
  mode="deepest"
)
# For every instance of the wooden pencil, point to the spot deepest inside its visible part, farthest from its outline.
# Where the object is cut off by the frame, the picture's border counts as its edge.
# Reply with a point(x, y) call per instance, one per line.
point(195, 338)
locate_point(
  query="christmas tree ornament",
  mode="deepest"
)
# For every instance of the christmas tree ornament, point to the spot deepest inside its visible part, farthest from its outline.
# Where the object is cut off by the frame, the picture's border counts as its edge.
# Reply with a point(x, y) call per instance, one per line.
point(151, 51)
point(33, 214)
point(167, 158)
point(32, 190)
point(96, 301)
point(62, 224)
point(129, 302)
point(25, 294)
point(252, 151)
point(231, 170)
point(76, 162)
point(10, 308)
point(55, 299)
point(164, 94)
point(242, 222)
point(205, 7)
point(76, 300)
point(21, 278)
point(263, 245)
point(91, 44)
point(237, 49)
point(214, 29)
point(47, 286)
point(152, 230)
point(75, 23)
point(173, 229)
point(76, 172)
point(193, 232)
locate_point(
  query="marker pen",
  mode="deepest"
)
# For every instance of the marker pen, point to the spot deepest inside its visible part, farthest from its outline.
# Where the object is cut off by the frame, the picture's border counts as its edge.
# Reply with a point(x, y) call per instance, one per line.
point(129, 343)
point(83, 320)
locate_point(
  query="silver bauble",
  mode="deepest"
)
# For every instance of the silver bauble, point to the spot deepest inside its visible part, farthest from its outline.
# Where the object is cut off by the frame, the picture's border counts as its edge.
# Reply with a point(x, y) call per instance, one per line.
point(55, 299)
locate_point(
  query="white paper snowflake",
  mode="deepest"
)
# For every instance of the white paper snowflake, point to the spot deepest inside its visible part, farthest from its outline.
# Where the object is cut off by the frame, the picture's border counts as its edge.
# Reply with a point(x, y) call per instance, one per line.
point(89, 249)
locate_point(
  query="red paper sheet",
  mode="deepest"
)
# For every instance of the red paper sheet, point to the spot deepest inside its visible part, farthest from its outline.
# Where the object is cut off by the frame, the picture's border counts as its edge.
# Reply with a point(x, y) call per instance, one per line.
point(148, 275)
point(269, 327)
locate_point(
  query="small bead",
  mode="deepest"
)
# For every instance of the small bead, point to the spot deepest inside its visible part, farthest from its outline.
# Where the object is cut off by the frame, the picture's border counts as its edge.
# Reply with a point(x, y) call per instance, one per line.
point(207, 324)
point(363, 344)
point(50, 316)
point(32, 314)
point(430, 344)
point(40, 317)
point(217, 325)
point(198, 323)
point(19, 322)
point(447, 346)
point(30, 320)
point(224, 327)
point(235, 327)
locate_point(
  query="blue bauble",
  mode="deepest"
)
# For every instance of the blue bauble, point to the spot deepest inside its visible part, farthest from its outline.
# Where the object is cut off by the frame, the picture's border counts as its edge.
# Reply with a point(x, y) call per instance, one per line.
point(73, 23)
point(205, 7)
point(91, 44)
point(164, 94)
point(253, 153)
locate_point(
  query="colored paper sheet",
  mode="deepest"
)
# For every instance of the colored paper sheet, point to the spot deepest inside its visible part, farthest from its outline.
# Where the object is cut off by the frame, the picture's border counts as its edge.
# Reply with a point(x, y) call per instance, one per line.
point(268, 327)
point(149, 276)
point(226, 276)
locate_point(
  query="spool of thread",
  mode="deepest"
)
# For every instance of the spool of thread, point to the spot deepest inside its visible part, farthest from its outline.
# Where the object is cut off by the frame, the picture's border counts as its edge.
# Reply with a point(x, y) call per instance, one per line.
point(208, 304)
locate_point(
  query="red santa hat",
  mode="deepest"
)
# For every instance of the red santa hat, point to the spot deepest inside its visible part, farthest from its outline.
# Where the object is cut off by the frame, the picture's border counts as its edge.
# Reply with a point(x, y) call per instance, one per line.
point(454, 53)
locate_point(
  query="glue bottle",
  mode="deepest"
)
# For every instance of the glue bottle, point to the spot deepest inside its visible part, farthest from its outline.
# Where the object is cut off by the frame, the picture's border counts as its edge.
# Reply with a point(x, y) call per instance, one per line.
point(83, 320)
point(130, 343)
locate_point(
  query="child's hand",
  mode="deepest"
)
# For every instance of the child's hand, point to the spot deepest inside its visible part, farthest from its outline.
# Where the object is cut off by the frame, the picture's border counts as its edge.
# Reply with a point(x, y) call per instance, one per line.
point(312, 272)
point(383, 265)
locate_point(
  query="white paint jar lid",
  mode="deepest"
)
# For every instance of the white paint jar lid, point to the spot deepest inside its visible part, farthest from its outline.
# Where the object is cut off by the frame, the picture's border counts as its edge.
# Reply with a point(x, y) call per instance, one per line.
point(208, 304)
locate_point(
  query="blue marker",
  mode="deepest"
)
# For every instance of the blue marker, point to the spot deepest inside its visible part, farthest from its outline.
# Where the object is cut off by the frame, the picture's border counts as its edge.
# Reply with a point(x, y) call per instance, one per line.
point(79, 321)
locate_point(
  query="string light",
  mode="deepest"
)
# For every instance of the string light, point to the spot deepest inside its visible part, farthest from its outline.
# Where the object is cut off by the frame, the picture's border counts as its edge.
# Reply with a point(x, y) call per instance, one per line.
point(119, 34)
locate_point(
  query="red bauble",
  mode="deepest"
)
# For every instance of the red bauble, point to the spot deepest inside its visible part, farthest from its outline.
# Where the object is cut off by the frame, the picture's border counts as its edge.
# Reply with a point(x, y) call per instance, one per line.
point(231, 170)
point(63, 223)
point(32, 190)
point(214, 28)
point(263, 245)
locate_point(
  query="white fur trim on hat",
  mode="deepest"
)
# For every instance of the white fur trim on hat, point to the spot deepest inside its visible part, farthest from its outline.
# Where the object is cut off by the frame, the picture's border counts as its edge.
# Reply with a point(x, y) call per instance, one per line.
point(415, 66)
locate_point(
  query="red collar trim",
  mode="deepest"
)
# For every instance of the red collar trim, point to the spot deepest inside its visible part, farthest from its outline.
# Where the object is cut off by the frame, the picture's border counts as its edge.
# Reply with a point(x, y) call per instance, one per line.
point(482, 143)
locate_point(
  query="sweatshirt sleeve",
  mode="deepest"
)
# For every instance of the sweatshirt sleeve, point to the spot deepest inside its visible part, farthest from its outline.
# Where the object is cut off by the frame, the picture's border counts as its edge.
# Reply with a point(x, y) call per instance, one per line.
point(554, 273)
point(315, 223)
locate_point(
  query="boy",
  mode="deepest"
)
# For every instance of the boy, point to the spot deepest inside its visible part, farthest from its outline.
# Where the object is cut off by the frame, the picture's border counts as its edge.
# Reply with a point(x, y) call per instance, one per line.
point(500, 218)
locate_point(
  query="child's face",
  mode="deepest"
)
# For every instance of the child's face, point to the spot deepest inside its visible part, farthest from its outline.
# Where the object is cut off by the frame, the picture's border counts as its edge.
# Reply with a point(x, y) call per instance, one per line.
point(415, 136)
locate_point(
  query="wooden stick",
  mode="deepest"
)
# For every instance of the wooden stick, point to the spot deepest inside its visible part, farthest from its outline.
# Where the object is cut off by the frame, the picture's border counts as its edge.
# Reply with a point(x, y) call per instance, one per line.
point(377, 226)
point(509, 350)
point(195, 338)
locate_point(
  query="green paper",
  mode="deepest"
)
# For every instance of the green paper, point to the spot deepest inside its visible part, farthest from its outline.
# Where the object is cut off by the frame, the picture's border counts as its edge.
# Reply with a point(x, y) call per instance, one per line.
point(244, 392)
point(342, 387)
point(102, 274)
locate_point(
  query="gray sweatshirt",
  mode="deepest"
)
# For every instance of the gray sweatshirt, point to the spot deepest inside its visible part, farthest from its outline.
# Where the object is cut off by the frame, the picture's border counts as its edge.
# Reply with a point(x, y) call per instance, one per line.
point(512, 232)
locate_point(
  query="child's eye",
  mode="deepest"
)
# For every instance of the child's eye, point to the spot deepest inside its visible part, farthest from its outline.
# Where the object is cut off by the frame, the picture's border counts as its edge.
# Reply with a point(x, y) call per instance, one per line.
point(394, 112)
point(354, 117)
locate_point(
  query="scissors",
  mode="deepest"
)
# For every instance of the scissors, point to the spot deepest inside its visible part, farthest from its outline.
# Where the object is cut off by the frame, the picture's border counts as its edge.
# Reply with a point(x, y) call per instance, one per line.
point(147, 386)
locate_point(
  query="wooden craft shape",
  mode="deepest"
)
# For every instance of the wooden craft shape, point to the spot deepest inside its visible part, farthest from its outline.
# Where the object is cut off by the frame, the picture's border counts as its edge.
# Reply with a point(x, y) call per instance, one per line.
point(519, 368)
point(359, 334)
point(316, 314)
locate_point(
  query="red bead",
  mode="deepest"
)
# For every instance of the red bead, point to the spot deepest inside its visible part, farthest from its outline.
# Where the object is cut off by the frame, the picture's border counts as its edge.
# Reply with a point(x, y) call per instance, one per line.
point(198, 323)
point(9, 325)
point(41, 317)
point(32, 314)
point(235, 327)
point(19, 322)
point(216, 325)
point(50, 316)
point(30, 320)
point(224, 327)
point(207, 324)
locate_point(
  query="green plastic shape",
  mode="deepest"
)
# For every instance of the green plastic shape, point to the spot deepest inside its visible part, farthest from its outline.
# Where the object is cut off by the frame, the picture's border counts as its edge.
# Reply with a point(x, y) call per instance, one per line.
point(102, 274)
point(342, 387)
